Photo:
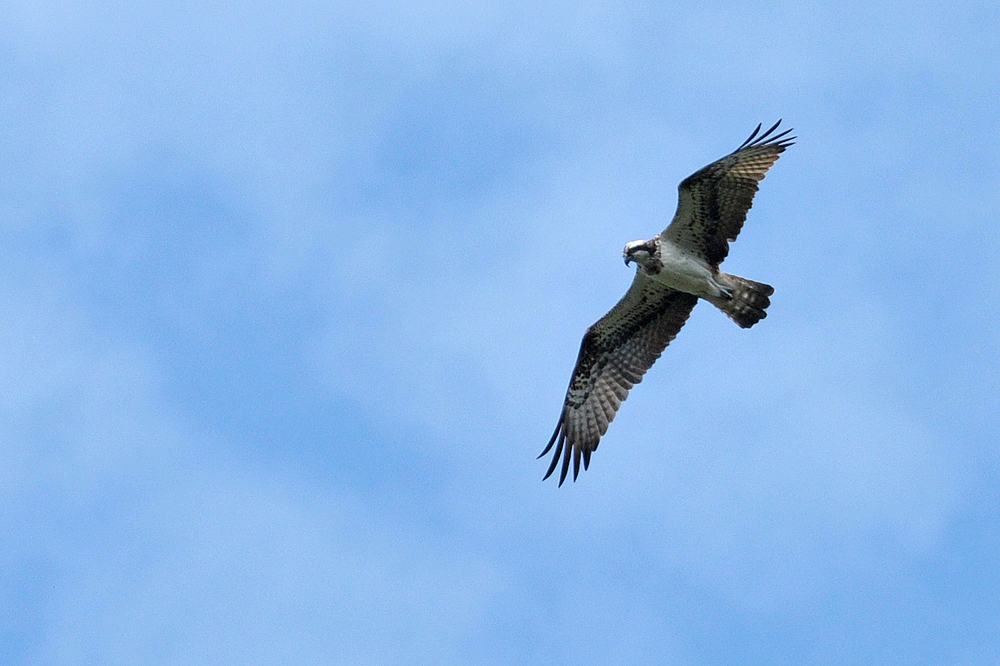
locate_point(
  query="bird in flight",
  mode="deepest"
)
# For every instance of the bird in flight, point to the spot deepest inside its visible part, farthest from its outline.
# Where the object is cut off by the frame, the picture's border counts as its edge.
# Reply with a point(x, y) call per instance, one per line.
point(673, 270)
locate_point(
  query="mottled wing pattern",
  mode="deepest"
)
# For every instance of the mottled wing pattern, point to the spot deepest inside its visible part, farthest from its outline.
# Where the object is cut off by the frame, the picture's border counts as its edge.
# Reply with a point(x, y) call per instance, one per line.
point(614, 355)
point(714, 201)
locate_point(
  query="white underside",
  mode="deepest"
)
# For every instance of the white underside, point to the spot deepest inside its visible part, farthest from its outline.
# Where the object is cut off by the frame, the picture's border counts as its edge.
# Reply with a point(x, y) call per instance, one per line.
point(686, 272)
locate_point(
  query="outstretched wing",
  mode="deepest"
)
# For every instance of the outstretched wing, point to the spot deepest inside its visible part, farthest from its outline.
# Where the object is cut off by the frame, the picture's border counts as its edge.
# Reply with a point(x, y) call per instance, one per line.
point(616, 352)
point(713, 202)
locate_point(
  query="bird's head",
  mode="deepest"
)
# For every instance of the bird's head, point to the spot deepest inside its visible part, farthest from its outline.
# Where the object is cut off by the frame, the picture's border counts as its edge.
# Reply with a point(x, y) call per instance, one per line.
point(641, 252)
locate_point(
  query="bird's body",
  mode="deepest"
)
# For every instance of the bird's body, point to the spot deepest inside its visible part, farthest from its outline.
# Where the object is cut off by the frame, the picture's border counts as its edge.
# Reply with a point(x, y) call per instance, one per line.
point(673, 271)
point(677, 268)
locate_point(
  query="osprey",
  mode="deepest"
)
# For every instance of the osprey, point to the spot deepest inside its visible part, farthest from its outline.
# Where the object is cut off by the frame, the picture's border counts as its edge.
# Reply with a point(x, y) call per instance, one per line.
point(673, 270)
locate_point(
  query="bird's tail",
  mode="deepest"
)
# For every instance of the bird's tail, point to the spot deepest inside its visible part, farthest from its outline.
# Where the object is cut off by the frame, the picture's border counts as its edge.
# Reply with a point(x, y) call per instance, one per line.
point(749, 301)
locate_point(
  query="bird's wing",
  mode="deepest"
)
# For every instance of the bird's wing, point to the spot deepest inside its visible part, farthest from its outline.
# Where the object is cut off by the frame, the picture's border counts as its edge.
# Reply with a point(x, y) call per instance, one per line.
point(713, 202)
point(614, 355)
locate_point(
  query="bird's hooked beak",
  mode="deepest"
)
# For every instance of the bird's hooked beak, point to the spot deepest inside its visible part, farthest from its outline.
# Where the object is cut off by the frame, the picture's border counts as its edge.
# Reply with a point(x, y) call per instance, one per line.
point(633, 248)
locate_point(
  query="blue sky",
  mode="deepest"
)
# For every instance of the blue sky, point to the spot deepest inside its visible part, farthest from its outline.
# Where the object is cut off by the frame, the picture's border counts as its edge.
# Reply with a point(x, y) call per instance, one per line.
point(291, 297)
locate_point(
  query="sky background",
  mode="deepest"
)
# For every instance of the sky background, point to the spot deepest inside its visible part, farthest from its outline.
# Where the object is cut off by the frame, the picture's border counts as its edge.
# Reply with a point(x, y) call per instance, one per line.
point(291, 295)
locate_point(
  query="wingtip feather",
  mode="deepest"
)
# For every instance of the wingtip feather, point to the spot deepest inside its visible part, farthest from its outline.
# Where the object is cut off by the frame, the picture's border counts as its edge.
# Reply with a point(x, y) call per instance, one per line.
point(750, 138)
point(559, 426)
point(781, 140)
point(768, 132)
point(555, 456)
point(565, 466)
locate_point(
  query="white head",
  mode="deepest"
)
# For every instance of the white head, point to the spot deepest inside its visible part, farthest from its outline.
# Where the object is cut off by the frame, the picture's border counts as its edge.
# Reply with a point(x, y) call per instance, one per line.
point(640, 251)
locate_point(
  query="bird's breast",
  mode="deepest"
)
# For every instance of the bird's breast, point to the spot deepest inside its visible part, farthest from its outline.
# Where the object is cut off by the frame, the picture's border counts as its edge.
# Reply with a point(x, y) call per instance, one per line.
point(683, 271)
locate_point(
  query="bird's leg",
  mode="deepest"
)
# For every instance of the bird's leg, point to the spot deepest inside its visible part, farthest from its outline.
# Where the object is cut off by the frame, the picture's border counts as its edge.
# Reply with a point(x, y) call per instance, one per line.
point(724, 292)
